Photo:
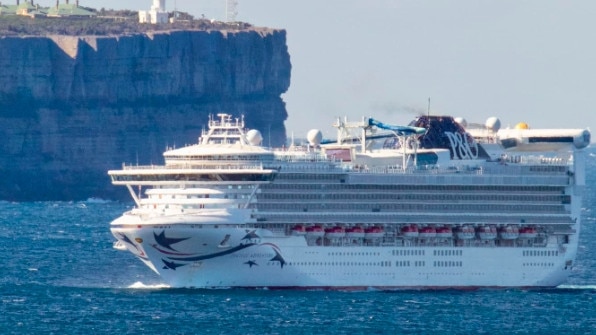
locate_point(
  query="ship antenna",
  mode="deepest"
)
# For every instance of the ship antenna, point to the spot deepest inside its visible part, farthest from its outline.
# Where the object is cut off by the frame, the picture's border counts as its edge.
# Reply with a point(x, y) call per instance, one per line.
point(428, 109)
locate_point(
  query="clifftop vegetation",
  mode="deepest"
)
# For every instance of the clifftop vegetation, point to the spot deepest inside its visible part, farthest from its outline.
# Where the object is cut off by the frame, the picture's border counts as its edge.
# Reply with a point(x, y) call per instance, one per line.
point(108, 22)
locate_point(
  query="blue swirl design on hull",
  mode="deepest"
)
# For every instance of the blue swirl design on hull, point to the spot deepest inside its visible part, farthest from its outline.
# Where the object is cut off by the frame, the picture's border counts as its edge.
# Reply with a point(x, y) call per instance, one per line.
point(140, 253)
point(175, 260)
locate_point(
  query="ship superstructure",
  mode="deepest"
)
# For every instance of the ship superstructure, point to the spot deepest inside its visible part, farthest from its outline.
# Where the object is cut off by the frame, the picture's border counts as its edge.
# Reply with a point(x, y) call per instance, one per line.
point(429, 206)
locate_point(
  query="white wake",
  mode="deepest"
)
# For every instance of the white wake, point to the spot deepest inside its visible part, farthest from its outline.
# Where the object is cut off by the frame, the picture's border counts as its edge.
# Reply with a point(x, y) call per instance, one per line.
point(140, 286)
point(577, 287)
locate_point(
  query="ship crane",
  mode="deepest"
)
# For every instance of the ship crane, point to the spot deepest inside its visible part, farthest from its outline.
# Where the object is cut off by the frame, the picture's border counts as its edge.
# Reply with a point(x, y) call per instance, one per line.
point(404, 135)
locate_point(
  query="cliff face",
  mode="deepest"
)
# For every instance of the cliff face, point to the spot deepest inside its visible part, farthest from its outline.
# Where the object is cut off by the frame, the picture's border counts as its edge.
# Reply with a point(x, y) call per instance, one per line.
point(72, 108)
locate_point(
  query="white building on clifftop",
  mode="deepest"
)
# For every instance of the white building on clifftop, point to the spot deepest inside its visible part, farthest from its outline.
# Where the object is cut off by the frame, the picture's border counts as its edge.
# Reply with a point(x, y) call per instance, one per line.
point(157, 14)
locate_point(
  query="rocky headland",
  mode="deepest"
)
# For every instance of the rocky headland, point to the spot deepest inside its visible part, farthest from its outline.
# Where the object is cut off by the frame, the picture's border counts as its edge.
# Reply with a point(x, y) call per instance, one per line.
point(73, 107)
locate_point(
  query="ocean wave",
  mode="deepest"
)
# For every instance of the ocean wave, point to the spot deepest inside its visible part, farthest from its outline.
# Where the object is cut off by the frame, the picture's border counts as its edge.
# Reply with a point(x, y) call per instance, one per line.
point(577, 287)
point(140, 286)
point(94, 200)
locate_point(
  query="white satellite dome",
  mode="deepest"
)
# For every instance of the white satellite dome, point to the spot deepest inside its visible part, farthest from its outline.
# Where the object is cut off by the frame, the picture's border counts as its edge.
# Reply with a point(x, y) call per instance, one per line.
point(462, 122)
point(582, 139)
point(254, 137)
point(314, 137)
point(493, 123)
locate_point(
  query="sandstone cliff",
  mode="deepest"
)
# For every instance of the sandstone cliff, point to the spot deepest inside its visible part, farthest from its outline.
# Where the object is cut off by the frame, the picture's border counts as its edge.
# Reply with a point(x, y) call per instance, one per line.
point(72, 108)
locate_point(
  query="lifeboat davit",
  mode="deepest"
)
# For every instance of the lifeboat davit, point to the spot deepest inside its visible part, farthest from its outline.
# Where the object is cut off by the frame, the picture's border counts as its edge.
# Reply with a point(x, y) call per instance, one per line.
point(487, 232)
point(410, 231)
point(355, 232)
point(299, 230)
point(315, 231)
point(465, 232)
point(527, 232)
point(374, 232)
point(427, 232)
point(335, 232)
point(444, 232)
point(509, 232)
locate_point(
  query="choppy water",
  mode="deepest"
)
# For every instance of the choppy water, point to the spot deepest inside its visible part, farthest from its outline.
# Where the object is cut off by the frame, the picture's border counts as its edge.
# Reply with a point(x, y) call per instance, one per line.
point(60, 275)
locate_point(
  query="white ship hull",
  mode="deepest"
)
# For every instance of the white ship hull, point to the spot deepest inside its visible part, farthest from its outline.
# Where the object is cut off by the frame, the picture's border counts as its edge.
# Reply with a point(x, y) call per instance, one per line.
point(196, 255)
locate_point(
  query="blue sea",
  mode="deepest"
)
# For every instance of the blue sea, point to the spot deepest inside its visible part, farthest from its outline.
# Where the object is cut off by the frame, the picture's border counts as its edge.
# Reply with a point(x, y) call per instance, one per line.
point(60, 275)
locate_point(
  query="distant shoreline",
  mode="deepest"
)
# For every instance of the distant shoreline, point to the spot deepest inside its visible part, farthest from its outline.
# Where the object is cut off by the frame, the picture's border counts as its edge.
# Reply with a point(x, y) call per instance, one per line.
point(116, 23)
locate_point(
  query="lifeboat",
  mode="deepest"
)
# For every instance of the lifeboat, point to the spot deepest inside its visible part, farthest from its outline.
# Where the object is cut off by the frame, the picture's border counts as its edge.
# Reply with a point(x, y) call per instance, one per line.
point(298, 230)
point(527, 232)
point(487, 232)
point(355, 232)
point(509, 232)
point(315, 231)
point(410, 231)
point(374, 232)
point(335, 232)
point(427, 232)
point(465, 232)
point(444, 232)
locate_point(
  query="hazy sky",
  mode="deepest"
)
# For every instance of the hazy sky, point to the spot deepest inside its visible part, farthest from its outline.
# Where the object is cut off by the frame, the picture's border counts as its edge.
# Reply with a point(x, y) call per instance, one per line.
point(519, 60)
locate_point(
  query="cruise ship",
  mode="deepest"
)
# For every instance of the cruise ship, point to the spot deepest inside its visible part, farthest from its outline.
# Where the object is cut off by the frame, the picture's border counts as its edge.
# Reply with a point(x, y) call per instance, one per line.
point(436, 204)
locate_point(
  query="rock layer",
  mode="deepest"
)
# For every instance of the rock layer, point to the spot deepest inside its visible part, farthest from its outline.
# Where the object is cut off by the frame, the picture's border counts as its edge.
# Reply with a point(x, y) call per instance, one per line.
point(72, 108)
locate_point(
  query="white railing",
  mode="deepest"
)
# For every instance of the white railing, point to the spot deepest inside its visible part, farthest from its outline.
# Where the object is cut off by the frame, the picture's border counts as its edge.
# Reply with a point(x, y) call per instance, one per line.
point(193, 166)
